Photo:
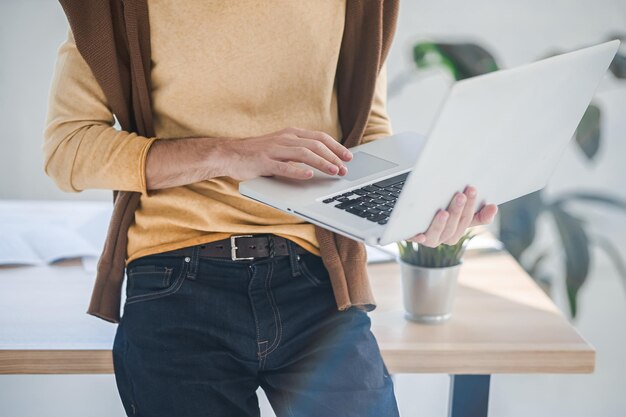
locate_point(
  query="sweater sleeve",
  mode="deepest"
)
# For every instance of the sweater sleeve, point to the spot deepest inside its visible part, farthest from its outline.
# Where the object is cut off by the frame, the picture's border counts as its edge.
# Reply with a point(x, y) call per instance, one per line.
point(82, 150)
point(378, 124)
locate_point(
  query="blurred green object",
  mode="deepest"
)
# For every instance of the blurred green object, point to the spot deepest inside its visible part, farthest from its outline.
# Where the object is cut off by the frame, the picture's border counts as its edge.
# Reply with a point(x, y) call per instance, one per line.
point(518, 218)
point(437, 257)
point(463, 60)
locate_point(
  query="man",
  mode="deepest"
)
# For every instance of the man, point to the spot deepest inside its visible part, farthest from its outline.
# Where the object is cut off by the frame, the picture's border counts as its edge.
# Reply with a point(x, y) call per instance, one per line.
point(200, 331)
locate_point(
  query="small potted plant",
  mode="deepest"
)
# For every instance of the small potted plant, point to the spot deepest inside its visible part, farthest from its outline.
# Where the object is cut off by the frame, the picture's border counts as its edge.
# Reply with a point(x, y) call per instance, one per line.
point(429, 278)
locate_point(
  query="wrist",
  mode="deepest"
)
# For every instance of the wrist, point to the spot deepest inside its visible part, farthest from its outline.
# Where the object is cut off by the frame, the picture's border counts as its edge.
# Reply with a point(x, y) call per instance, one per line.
point(216, 154)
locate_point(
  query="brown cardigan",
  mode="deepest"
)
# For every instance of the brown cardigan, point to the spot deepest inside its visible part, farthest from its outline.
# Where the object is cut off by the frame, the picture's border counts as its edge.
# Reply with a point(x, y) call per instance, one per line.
point(114, 39)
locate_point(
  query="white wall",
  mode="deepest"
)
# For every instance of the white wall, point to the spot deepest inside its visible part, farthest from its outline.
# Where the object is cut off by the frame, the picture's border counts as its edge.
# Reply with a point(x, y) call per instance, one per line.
point(519, 32)
point(30, 34)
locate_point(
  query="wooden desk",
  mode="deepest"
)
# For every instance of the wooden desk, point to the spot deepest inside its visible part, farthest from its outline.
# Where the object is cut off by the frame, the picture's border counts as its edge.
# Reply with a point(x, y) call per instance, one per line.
point(502, 323)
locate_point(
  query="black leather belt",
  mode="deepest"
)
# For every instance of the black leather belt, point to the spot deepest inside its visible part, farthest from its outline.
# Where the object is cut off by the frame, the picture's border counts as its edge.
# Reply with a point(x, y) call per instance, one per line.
point(241, 247)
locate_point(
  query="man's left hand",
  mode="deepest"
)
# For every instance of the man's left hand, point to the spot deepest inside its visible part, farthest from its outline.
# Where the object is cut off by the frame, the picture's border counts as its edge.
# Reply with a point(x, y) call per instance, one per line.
point(448, 226)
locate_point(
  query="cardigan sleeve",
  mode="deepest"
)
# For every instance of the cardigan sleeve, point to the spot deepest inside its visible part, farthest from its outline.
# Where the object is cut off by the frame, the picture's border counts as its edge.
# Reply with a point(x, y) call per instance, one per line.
point(378, 124)
point(82, 150)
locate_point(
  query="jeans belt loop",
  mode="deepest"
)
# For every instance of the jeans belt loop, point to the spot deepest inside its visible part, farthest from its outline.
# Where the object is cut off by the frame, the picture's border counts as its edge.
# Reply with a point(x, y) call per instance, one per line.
point(271, 248)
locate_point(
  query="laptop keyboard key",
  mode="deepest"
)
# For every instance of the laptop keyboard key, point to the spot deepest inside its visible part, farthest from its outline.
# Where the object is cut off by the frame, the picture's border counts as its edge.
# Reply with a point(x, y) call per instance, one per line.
point(369, 188)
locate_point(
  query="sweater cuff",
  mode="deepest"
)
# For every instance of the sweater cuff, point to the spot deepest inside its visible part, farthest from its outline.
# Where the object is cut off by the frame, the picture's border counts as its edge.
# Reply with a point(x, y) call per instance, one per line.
point(142, 167)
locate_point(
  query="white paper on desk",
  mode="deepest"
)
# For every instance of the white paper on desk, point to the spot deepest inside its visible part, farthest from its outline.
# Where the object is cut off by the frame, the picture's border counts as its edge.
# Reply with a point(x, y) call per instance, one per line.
point(42, 243)
point(14, 250)
point(94, 229)
point(379, 254)
point(54, 243)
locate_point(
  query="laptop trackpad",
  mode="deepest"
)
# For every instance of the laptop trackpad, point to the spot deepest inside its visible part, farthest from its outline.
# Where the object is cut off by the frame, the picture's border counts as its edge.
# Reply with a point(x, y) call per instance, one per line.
point(364, 164)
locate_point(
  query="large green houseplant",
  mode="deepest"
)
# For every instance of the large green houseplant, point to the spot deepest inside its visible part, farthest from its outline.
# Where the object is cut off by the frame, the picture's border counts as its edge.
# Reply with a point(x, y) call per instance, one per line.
point(518, 218)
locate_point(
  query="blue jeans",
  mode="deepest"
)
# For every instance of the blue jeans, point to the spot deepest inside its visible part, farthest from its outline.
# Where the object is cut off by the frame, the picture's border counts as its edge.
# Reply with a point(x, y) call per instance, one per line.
point(199, 335)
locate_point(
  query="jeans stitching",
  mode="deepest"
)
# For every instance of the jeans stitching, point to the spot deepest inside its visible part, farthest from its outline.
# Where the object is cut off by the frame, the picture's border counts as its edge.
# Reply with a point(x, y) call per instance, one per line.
point(195, 259)
point(167, 274)
point(175, 287)
point(277, 322)
point(133, 402)
point(311, 276)
point(262, 358)
point(252, 268)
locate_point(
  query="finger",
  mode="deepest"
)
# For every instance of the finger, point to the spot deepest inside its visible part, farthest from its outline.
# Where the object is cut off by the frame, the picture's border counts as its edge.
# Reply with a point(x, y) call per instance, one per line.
point(325, 152)
point(420, 238)
point(285, 169)
point(334, 145)
point(436, 227)
point(485, 215)
point(455, 208)
point(468, 213)
point(305, 155)
point(317, 147)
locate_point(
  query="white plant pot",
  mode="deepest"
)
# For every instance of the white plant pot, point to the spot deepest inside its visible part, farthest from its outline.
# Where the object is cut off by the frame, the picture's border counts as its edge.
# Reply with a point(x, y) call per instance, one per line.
point(428, 293)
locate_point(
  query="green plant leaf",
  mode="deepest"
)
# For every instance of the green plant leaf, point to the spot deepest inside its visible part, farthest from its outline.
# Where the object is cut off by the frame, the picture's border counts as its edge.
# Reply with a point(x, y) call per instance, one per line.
point(469, 59)
point(427, 55)
point(462, 60)
point(438, 257)
point(618, 65)
point(577, 257)
point(533, 269)
point(588, 132)
point(518, 220)
point(611, 251)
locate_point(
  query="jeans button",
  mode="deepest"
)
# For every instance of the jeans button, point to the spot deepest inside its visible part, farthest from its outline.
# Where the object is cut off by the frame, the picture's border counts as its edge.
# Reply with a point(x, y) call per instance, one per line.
point(187, 259)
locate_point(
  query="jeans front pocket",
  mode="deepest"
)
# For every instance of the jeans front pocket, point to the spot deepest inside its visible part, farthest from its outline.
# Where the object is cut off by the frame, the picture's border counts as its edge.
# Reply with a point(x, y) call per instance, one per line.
point(154, 277)
point(312, 268)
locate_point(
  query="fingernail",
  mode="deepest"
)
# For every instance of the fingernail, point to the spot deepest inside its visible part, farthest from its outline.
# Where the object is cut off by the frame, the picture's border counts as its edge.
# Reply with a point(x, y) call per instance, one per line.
point(472, 192)
point(459, 200)
point(333, 169)
point(347, 154)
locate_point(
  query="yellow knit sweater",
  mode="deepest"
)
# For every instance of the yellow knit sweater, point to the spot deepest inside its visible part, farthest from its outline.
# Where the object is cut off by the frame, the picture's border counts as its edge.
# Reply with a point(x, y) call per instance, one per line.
point(219, 69)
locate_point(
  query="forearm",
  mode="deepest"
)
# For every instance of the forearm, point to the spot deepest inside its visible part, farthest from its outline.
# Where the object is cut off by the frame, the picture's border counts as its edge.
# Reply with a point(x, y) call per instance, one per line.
point(176, 162)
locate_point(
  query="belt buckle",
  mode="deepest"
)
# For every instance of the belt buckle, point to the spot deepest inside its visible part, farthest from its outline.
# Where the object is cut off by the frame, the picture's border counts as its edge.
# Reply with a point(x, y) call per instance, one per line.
point(233, 248)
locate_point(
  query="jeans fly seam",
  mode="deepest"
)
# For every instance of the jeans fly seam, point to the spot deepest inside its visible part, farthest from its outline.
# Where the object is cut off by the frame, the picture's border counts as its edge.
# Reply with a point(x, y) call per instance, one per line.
point(252, 268)
point(277, 322)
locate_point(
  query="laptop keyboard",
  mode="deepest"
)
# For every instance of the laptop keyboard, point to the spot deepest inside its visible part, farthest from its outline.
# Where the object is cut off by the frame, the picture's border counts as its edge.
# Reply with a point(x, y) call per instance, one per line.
point(373, 202)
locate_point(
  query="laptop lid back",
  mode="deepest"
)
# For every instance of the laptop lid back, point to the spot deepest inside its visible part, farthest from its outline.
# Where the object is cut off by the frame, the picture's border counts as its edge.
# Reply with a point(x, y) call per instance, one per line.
point(502, 132)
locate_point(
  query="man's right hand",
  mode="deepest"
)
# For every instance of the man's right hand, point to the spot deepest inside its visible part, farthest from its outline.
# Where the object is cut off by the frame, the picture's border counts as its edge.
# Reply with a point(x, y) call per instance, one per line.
point(175, 162)
point(273, 153)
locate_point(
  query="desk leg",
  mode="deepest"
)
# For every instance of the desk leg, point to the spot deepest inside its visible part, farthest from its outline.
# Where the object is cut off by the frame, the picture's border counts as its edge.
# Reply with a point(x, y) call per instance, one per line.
point(469, 395)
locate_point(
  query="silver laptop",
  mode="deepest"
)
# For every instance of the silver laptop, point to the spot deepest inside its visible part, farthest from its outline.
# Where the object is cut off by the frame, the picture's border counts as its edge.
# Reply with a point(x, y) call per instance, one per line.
point(503, 132)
